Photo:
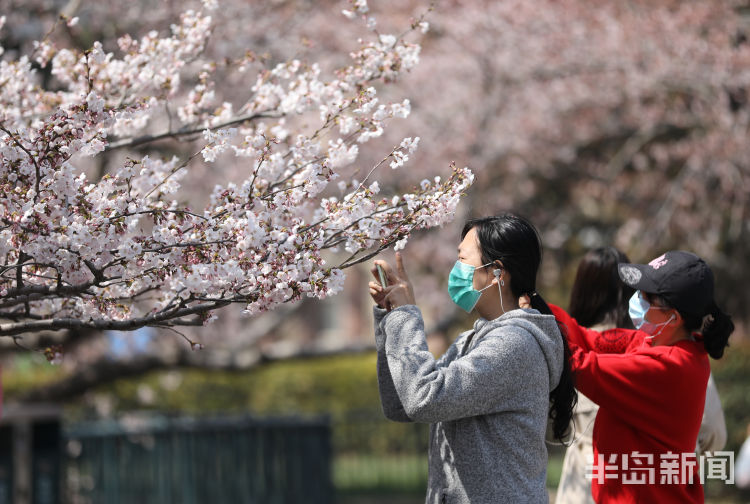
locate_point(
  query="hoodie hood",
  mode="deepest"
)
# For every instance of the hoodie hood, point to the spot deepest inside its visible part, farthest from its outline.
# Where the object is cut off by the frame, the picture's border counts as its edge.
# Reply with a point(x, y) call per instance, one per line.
point(543, 328)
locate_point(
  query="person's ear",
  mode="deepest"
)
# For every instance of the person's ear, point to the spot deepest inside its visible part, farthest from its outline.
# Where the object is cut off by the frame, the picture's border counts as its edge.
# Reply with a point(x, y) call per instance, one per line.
point(498, 269)
point(503, 276)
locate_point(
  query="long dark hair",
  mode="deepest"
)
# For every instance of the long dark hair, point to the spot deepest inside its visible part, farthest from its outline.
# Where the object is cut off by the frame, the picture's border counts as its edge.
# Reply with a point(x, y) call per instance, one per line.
point(515, 242)
point(598, 295)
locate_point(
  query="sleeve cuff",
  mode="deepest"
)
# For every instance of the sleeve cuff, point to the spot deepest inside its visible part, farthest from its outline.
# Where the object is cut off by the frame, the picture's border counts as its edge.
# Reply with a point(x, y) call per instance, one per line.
point(382, 317)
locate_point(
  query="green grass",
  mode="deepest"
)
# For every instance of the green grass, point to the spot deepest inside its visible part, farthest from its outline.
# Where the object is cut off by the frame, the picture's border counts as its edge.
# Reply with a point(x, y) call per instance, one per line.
point(353, 473)
point(382, 474)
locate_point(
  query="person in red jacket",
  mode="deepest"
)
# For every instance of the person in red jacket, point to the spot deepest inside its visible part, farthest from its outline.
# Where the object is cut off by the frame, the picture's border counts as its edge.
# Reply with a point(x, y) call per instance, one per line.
point(650, 383)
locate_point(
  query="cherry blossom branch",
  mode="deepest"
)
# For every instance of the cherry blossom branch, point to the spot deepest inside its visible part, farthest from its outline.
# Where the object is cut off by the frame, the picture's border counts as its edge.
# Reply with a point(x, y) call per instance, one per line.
point(170, 174)
point(88, 252)
point(29, 293)
point(176, 317)
point(29, 154)
point(189, 130)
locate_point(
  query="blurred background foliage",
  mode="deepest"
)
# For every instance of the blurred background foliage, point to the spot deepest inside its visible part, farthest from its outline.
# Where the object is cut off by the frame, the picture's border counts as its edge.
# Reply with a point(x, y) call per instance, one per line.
point(339, 386)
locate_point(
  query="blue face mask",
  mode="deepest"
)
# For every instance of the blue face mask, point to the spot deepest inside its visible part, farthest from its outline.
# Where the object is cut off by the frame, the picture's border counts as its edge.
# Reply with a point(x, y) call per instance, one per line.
point(461, 285)
point(637, 309)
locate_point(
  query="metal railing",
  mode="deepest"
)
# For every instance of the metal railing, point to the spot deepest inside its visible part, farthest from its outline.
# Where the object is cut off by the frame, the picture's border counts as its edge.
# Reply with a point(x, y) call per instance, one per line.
point(270, 461)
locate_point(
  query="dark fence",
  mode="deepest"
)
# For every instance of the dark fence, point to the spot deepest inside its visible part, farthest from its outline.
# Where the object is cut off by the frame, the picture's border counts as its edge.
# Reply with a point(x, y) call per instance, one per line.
point(239, 460)
point(30, 454)
point(155, 459)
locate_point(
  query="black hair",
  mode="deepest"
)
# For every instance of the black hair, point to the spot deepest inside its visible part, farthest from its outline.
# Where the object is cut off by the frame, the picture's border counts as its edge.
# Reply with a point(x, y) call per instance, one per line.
point(515, 242)
point(715, 326)
point(598, 295)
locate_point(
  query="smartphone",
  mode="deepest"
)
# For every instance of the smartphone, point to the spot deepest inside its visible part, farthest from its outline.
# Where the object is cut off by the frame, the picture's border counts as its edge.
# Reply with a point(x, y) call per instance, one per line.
point(381, 274)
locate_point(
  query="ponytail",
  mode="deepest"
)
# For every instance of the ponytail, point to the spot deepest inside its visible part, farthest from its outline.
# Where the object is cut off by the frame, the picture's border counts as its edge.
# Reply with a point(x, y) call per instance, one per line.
point(564, 397)
point(717, 327)
point(538, 303)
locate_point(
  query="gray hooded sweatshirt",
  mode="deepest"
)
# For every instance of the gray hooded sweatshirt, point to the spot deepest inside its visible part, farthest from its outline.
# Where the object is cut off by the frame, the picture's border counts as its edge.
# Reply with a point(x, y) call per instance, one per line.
point(486, 398)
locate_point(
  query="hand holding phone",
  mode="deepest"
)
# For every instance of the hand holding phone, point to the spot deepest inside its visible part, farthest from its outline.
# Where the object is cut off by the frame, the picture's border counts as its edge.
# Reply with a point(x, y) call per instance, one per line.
point(391, 289)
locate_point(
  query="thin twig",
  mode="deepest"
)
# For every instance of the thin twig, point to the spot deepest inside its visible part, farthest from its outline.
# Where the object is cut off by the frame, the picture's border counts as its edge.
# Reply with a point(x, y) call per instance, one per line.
point(189, 244)
point(15, 328)
point(183, 165)
point(28, 153)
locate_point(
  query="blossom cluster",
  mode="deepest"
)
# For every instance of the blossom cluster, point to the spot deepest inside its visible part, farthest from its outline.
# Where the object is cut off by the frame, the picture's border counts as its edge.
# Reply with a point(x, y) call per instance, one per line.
point(121, 251)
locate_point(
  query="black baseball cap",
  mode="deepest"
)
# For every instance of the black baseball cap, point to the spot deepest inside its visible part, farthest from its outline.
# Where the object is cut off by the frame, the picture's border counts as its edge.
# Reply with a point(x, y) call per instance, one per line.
point(682, 278)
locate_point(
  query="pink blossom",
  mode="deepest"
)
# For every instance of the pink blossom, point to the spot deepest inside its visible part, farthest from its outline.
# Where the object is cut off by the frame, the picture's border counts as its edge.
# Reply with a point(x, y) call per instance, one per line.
point(125, 247)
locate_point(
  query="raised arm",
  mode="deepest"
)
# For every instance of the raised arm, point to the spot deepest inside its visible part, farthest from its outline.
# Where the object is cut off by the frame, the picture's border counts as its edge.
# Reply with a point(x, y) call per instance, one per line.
point(577, 335)
point(487, 379)
point(589, 340)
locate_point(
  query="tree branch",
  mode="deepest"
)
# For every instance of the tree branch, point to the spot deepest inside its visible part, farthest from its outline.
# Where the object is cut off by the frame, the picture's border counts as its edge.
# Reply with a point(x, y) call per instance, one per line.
point(13, 328)
point(186, 131)
point(28, 293)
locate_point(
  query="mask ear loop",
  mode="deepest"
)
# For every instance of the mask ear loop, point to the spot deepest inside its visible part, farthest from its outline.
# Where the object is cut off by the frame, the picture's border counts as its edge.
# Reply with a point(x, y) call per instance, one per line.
point(663, 325)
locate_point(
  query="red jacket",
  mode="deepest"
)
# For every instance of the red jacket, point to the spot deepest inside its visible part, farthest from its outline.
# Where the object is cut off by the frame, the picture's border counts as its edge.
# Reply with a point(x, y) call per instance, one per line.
point(651, 403)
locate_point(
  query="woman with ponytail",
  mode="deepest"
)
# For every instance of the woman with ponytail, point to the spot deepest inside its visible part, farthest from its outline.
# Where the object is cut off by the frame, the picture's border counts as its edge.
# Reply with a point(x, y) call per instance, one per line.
point(488, 398)
point(650, 383)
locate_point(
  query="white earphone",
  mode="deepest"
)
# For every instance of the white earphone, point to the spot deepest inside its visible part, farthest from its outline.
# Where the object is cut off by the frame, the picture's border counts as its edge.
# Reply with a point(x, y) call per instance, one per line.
point(497, 272)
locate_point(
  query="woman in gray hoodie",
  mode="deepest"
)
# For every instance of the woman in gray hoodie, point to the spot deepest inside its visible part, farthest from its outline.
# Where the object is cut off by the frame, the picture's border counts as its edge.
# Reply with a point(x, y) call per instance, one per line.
point(489, 396)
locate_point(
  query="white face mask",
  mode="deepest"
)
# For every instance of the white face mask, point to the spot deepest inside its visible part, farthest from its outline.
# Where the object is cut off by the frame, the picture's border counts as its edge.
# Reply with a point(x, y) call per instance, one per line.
point(638, 307)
